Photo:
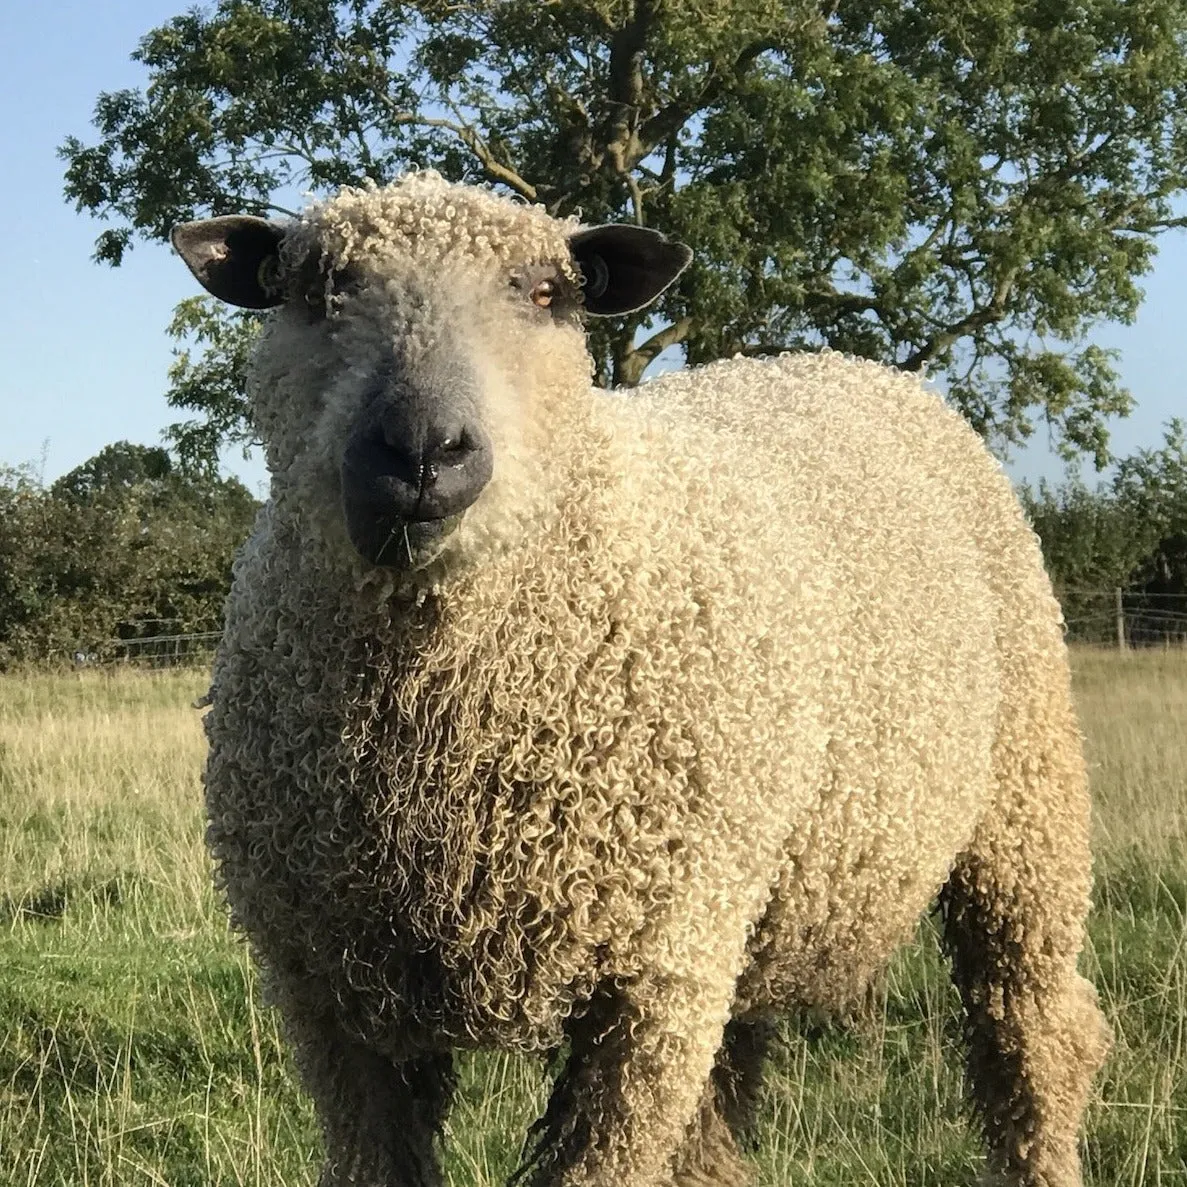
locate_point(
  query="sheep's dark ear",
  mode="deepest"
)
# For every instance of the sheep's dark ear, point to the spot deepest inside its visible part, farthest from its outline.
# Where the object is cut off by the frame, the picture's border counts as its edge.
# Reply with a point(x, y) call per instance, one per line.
point(625, 268)
point(235, 257)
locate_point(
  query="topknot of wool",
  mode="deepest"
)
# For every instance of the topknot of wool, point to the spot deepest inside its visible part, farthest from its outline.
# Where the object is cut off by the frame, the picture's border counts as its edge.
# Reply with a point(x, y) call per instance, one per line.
point(424, 217)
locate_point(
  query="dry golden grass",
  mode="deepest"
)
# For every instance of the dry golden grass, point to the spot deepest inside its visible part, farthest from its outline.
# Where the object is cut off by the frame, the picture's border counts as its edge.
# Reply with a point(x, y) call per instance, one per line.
point(1133, 709)
point(99, 774)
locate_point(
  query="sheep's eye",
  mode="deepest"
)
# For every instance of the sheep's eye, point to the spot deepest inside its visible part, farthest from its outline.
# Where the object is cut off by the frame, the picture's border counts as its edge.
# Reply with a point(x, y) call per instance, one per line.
point(542, 293)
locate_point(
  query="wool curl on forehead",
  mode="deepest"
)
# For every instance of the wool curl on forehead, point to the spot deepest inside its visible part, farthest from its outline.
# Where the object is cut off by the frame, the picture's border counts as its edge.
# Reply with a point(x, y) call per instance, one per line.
point(424, 217)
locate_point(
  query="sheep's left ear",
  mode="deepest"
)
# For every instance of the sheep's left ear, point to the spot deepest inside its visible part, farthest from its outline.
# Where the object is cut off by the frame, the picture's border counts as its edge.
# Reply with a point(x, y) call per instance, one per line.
point(624, 268)
point(236, 257)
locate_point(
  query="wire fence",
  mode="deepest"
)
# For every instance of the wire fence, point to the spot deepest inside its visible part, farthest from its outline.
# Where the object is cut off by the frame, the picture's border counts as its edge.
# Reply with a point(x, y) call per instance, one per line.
point(150, 651)
point(1102, 617)
point(1124, 618)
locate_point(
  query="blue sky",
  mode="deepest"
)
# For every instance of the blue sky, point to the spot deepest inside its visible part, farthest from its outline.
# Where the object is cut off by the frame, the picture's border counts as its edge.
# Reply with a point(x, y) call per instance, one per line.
point(83, 345)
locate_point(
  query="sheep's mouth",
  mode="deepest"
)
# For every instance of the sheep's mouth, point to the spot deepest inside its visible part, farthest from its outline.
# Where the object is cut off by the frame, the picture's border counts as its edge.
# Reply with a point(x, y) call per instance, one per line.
point(392, 542)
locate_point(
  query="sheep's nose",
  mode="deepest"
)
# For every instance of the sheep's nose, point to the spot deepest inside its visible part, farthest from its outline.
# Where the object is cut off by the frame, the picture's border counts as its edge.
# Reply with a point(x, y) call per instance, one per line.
point(417, 476)
point(447, 471)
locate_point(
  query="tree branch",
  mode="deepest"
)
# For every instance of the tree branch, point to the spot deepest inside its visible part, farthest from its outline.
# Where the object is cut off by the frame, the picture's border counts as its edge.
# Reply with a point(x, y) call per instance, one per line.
point(667, 122)
point(625, 96)
point(761, 350)
point(626, 55)
point(629, 368)
point(842, 303)
point(671, 335)
point(494, 169)
point(668, 175)
point(976, 319)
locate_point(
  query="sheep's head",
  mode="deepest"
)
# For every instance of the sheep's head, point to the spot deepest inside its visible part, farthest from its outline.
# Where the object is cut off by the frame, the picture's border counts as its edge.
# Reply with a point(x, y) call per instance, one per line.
point(427, 337)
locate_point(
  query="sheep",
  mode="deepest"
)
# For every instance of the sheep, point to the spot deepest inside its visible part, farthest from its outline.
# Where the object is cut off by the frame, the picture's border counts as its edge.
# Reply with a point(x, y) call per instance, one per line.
point(551, 719)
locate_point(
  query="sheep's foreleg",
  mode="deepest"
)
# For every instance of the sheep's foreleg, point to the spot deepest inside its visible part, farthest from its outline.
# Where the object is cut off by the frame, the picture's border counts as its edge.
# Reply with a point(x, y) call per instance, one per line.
point(379, 1119)
point(625, 1102)
point(710, 1155)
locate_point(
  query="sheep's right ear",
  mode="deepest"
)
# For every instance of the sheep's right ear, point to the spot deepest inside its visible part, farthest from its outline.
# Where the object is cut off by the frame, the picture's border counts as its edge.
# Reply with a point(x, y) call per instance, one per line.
point(236, 258)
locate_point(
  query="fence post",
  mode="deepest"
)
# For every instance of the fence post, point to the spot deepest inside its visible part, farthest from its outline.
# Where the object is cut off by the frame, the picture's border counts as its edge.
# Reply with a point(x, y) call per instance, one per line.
point(1120, 608)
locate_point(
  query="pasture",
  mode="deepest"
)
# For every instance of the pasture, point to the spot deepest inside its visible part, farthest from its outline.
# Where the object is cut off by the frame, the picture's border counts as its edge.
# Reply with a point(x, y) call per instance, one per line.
point(134, 1049)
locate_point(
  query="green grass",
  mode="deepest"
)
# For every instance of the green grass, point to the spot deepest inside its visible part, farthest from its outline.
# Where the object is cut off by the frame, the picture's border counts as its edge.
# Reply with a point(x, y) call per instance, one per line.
point(134, 1049)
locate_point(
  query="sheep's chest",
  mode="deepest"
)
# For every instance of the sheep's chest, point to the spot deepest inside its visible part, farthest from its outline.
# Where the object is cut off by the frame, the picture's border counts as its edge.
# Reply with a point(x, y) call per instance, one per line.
point(439, 880)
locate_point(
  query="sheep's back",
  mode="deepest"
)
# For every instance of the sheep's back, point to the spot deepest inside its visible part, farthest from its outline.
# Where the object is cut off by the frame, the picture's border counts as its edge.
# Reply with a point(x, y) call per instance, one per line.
point(934, 578)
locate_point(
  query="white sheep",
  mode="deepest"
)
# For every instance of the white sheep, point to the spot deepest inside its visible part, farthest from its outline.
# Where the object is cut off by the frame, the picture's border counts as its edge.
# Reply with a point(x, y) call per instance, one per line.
point(546, 714)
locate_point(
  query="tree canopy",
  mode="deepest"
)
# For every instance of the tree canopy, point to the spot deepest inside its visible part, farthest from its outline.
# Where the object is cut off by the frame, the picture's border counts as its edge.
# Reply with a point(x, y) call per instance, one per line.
point(963, 186)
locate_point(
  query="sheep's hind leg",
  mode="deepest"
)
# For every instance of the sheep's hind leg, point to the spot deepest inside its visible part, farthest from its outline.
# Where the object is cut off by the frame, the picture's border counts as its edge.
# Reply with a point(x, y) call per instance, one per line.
point(1014, 912)
point(379, 1119)
point(630, 1091)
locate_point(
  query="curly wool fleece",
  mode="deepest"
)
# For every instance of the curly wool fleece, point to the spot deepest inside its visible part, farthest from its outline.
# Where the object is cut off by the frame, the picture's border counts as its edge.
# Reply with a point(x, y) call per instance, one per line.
point(711, 692)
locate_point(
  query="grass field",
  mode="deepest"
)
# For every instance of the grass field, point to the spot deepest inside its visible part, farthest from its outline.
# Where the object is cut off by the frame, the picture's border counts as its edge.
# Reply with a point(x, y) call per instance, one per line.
point(134, 1051)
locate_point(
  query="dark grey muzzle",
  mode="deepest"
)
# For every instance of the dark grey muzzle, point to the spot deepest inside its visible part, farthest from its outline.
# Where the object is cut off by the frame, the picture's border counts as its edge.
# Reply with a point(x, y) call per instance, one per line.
point(405, 482)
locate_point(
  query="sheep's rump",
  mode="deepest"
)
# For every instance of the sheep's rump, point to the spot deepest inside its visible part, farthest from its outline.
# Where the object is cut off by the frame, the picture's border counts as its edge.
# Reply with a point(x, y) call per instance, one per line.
point(743, 681)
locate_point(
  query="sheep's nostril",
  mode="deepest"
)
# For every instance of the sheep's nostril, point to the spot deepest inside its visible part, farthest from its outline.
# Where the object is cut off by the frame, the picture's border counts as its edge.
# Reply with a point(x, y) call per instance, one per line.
point(451, 449)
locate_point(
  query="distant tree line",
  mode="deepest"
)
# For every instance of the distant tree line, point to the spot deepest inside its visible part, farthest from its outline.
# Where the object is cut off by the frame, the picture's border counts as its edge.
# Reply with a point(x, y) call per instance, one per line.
point(1128, 533)
point(131, 544)
point(124, 546)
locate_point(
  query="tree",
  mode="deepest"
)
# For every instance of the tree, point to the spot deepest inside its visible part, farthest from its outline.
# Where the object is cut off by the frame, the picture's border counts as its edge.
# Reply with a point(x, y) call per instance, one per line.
point(113, 471)
point(1091, 541)
point(1151, 486)
point(125, 545)
point(966, 186)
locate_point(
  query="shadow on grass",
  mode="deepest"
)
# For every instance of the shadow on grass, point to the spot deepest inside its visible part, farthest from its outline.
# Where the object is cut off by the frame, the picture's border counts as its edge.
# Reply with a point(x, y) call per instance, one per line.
point(49, 903)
